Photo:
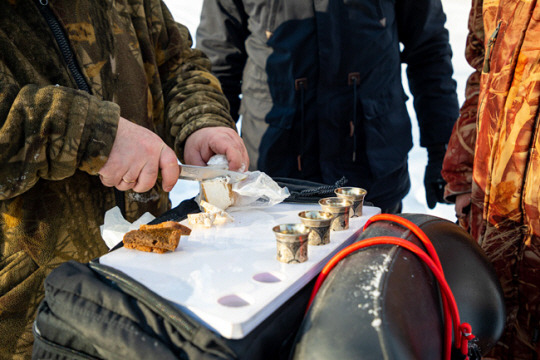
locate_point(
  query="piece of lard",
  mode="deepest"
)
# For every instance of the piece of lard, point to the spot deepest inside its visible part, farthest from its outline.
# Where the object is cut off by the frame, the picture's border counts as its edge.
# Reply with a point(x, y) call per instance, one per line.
point(218, 192)
point(212, 215)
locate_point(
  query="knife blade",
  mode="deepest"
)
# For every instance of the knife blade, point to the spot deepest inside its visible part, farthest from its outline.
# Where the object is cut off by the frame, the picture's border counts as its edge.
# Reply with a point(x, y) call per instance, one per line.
point(200, 173)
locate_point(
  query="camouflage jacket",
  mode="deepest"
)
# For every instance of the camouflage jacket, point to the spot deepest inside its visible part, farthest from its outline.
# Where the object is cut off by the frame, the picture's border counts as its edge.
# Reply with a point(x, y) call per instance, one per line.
point(138, 63)
point(494, 153)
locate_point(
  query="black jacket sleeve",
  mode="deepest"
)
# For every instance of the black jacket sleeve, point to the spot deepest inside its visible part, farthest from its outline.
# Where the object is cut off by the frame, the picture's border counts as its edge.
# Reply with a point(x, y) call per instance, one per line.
point(428, 55)
point(221, 35)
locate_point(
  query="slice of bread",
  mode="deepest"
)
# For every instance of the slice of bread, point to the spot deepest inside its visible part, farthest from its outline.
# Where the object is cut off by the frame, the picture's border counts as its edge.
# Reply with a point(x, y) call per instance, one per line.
point(158, 238)
point(167, 224)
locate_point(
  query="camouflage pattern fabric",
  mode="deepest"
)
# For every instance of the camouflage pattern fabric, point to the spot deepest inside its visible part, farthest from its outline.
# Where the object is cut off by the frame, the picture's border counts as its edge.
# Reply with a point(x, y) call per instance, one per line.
point(494, 154)
point(54, 139)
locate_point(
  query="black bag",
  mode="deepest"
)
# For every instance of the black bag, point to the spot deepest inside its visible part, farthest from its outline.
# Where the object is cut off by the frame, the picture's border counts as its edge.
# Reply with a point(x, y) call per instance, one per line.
point(92, 311)
point(383, 302)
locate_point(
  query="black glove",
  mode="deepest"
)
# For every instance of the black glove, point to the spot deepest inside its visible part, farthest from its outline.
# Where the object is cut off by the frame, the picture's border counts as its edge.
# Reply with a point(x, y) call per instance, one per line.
point(433, 180)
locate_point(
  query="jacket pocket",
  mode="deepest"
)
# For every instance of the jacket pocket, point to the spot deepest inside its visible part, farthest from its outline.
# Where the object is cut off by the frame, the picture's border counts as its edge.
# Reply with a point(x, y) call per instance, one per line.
point(370, 12)
point(372, 8)
point(44, 349)
point(388, 132)
point(376, 106)
point(370, 24)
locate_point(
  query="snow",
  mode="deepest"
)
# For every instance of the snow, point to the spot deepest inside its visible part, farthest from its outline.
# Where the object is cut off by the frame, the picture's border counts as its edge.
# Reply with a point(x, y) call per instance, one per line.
point(187, 12)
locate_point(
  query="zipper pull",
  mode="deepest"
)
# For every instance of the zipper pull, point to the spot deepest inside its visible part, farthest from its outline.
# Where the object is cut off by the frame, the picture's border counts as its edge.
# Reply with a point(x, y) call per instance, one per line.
point(489, 46)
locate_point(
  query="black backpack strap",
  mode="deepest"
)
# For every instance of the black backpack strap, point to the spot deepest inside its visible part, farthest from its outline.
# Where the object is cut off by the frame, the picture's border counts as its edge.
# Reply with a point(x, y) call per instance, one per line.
point(304, 191)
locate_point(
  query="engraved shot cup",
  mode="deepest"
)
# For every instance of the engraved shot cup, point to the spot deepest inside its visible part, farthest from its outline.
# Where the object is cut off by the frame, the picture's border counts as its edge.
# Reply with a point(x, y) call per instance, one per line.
point(292, 243)
point(340, 208)
point(319, 224)
point(356, 195)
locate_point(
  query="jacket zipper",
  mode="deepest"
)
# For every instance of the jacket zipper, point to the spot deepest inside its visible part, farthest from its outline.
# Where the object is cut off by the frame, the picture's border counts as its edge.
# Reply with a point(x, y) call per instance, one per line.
point(73, 67)
point(489, 47)
point(63, 44)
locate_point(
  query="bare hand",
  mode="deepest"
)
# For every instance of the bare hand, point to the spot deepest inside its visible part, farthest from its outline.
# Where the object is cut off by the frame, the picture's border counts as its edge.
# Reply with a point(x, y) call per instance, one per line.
point(462, 203)
point(207, 142)
point(136, 158)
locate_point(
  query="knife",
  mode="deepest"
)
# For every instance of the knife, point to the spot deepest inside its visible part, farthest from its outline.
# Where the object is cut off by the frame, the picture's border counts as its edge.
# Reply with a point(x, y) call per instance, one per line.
point(199, 173)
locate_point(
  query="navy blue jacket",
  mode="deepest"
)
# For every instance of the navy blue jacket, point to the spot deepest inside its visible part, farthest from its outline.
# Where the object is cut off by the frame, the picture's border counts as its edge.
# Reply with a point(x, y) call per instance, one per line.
point(321, 88)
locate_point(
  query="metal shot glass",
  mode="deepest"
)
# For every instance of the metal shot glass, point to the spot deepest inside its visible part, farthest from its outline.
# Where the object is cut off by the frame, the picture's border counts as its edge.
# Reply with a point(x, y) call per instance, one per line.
point(319, 224)
point(292, 243)
point(340, 208)
point(356, 195)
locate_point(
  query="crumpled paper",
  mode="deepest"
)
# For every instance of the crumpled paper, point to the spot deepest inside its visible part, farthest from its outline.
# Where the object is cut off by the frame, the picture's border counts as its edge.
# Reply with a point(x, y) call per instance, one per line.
point(115, 226)
point(258, 191)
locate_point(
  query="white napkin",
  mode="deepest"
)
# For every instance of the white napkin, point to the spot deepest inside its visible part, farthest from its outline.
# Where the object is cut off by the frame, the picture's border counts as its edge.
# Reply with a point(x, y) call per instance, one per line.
point(115, 226)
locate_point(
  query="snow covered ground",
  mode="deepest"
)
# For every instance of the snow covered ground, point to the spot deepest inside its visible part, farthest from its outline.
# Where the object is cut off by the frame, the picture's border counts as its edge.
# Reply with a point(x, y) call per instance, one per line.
point(187, 12)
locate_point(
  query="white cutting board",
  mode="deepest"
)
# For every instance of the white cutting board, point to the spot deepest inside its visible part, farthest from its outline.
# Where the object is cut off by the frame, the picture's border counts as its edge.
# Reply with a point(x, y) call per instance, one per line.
point(228, 276)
